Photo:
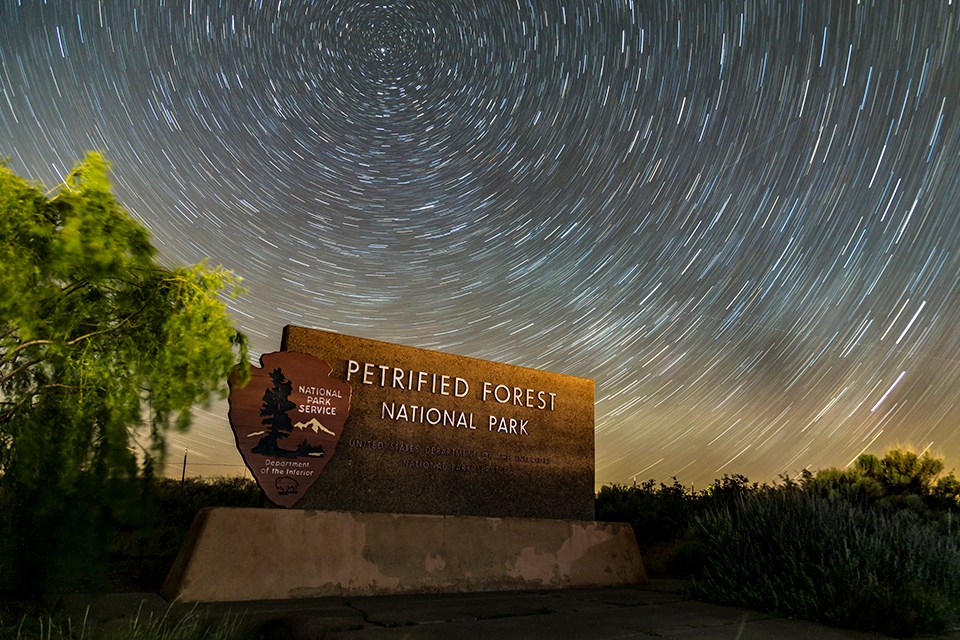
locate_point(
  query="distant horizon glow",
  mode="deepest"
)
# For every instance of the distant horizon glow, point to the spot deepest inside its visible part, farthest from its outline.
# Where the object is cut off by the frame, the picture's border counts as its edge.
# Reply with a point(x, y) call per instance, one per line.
point(739, 218)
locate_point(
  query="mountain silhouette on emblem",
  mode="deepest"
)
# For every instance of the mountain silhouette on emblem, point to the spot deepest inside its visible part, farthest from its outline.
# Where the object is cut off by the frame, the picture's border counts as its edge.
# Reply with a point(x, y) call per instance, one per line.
point(314, 424)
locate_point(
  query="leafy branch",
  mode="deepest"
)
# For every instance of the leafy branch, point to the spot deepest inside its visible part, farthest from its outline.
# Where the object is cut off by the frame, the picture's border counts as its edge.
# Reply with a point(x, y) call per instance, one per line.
point(96, 340)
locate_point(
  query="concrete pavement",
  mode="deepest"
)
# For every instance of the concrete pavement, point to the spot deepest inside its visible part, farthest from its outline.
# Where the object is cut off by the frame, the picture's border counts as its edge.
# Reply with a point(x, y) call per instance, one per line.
point(658, 609)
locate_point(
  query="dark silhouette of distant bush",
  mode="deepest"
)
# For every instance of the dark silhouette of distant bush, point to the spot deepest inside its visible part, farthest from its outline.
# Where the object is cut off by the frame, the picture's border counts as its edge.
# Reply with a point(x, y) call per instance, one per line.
point(661, 515)
point(145, 552)
point(656, 512)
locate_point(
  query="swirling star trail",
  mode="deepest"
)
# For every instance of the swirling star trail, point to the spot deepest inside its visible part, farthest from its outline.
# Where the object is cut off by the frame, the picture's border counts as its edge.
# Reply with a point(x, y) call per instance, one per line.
point(738, 217)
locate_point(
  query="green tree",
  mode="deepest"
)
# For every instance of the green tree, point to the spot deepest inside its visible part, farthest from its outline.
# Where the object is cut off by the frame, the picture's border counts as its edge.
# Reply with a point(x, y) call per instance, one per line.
point(902, 471)
point(900, 478)
point(102, 351)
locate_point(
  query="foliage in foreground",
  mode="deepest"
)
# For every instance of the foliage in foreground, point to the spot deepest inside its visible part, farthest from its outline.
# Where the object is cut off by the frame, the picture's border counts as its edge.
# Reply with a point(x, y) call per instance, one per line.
point(139, 561)
point(795, 553)
point(875, 546)
point(189, 626)
point(99, 343)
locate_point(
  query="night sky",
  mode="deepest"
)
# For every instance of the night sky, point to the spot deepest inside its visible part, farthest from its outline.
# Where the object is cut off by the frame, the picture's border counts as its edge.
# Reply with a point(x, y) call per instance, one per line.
point(739, 218)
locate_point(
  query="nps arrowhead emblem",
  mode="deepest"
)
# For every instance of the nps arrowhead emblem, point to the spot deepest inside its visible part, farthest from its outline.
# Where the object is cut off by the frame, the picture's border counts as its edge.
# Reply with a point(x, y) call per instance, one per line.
point(287, 421)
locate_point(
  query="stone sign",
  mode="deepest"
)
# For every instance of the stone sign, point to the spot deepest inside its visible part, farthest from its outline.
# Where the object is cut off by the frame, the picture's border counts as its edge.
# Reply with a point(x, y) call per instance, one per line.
point(434, 433)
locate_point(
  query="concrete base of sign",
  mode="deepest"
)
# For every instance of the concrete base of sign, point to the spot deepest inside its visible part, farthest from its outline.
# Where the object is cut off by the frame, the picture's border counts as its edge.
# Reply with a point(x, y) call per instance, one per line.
point(268, 554)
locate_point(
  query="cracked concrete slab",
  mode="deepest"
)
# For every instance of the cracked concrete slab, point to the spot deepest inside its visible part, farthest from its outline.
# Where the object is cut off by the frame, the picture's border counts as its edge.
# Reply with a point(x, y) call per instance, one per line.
point(658, 609)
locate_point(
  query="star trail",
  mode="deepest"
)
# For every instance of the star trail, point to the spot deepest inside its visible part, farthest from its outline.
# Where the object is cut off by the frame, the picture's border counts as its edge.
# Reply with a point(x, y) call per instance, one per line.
point(739, 218)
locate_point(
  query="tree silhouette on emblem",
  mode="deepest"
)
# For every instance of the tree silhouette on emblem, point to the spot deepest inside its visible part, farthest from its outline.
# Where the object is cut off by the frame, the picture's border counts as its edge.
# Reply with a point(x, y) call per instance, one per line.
point(276, 404)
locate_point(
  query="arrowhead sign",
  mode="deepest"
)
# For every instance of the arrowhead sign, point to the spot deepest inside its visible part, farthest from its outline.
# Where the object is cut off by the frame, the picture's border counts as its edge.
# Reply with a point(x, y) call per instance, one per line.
point(287, 421)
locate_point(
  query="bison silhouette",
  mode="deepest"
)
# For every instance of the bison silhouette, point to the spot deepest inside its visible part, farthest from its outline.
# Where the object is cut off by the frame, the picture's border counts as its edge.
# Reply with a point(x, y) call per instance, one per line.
point(287, 485)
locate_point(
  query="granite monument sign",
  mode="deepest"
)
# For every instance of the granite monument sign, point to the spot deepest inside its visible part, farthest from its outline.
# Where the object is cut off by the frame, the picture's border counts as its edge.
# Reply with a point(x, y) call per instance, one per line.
point(412, 471)
point(336, 422)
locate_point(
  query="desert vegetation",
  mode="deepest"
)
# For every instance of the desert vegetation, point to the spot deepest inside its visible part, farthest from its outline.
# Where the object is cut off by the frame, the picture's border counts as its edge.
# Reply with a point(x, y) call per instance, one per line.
point(135, 557)
point(875, 546)
point(103, 350)
point(144, 550)
point(189, 626)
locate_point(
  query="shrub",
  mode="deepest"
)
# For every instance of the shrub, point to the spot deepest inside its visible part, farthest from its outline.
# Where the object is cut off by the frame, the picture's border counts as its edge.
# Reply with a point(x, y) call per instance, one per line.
point(61, 543)
point(145, 552)
point(656, 512)
point(796, 553)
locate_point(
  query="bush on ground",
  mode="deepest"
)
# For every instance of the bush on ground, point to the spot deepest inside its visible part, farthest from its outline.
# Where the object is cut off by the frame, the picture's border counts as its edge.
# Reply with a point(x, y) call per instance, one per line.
point(795, 553)
point(656, 512)
point(874, 546)
point(144, 553)
point(660, 515)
